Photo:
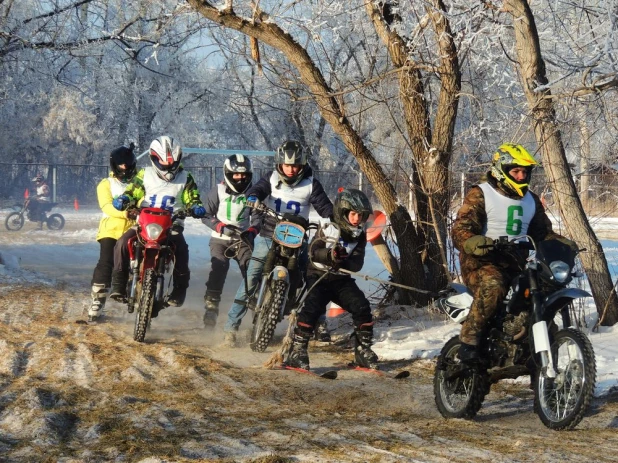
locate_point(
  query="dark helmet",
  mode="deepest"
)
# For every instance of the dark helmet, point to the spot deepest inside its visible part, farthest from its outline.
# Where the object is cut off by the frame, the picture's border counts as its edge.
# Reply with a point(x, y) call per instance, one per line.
point(351, 200)
point(238, 164)
point(291, 152)
point(126, 156)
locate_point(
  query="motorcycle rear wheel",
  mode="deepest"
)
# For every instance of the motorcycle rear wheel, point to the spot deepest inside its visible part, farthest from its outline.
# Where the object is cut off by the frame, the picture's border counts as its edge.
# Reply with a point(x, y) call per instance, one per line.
point(145, 299)
point(55, 222)
point(463, 395)
point(561, 402)
point(14, 221)
point(268, 315)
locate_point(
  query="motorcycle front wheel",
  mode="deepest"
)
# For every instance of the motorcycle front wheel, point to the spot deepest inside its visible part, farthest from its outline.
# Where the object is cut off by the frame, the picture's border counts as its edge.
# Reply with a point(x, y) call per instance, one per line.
point(145, 299)
point(55, 222)
point(267, 316)
point(459, 389)
point(14, 221)
point(562, 402)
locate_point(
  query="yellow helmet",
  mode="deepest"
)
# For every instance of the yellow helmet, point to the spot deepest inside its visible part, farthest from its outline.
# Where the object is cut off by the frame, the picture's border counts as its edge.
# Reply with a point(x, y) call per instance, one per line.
point(509, 156)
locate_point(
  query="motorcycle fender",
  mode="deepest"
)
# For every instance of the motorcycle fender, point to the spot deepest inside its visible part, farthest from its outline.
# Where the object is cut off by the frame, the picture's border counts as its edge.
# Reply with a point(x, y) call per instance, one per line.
point(560, 298)
point(150, 259)
point(280, 273)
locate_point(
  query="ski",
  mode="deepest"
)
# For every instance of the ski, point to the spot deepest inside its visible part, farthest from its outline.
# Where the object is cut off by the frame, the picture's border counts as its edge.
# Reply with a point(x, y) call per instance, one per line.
point(399, 375)
point(330, 374)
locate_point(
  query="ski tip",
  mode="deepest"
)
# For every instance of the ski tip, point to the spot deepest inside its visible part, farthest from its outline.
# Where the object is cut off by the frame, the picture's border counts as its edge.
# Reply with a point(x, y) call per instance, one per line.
point(402, 374)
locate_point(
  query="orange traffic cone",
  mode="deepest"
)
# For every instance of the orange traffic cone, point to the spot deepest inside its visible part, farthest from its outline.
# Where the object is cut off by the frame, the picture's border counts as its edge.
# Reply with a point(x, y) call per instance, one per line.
point(334, 310)
point(26, 194)
point(76, 204)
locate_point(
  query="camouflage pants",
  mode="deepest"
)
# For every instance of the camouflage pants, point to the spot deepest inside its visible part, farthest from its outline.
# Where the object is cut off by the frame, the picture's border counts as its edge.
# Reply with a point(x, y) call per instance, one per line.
point(489, 286)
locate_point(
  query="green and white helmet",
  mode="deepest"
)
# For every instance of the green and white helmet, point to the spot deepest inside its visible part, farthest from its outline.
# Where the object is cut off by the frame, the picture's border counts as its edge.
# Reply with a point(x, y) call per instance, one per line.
point(351, 200)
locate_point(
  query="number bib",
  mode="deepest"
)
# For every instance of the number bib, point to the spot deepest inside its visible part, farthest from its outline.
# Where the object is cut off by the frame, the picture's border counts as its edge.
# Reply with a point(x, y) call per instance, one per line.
point(159, 193)
point(231, 210)
point(290, 199)
point(506, 216)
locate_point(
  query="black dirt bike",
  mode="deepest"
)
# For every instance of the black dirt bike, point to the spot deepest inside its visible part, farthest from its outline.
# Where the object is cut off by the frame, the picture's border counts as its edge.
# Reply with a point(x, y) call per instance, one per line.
point(281, 277)
point(523, 338)
point(15, 220)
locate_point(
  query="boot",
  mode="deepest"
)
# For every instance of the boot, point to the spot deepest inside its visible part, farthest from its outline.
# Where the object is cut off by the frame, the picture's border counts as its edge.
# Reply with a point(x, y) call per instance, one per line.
point(363, 355)
point(321, 331)
point(298, 356)
point(179, 293)
point(468, 353)
point(99, 296)
point(211, 305)
point(119, 286)
point(229, 339)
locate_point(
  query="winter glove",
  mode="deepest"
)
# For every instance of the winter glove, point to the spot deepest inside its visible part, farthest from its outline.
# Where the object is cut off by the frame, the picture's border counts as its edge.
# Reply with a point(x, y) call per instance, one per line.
point(570, 243)
point(252, 201)
point(121, 202)
point(197, 211)
point(475, 245)
point(248, 236)
point(132, 213)
point(227, 230)
point(339, 253)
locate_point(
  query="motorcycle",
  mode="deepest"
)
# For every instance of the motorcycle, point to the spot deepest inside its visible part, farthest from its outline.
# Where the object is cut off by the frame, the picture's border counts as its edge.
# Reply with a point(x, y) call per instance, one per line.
point(151, 258)
point(523, 338)
point(269, 302)
point(15, 220)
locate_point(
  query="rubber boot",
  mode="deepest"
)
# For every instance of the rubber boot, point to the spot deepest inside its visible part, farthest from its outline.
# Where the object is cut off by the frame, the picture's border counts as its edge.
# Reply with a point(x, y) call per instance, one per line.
point(321, 331)
point(298, 356)
point(363, 339)
point(119, 286)
point(99, 296)
point(211, 305)
point(468, 353)
point(179, 293)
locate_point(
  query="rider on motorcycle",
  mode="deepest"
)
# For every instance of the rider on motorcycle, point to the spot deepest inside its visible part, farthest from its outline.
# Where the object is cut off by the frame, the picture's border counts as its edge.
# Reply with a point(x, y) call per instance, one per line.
point(290, 188)
point(113, 224)
point(350, 213)
point(227, 216)
point(41, 201)
point(501, 205)
point(165, 184)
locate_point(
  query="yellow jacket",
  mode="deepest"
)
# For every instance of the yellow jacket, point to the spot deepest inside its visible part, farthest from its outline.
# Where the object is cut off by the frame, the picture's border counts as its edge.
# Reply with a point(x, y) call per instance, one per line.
point(114, 223)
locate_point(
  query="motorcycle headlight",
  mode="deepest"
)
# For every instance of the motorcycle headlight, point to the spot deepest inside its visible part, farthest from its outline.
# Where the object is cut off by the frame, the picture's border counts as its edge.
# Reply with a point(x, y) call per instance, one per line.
point(153, 230)
point(560, 270)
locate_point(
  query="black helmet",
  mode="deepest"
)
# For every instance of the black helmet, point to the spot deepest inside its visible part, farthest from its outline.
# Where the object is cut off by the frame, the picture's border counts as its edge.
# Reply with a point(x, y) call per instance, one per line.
point(238, 164)
point(291, 152)
point(123, 155)
point(346, 201)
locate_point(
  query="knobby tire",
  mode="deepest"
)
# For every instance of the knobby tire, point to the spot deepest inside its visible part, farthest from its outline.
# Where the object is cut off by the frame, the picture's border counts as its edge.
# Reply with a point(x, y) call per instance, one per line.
point(145, 300)
point(14, 221)
point(267, 318)
point(55, 222)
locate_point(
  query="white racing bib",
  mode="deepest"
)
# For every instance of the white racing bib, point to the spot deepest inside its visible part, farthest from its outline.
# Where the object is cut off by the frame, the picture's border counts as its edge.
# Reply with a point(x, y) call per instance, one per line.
point(506, 216)
point(231, 211)
point(284, 198)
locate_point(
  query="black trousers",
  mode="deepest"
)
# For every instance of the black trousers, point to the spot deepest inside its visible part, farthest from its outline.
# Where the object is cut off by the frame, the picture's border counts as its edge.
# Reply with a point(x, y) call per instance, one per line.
point(103, 271)
point(221, 252)
point(343, 292)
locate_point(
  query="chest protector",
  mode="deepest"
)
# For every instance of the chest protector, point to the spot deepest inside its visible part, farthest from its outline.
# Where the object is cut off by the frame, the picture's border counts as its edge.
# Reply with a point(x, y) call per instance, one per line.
point(116, 187)
point(506, 216)
point(331, 234)
point(284, 198)
point(231, 211)
point(159, 193)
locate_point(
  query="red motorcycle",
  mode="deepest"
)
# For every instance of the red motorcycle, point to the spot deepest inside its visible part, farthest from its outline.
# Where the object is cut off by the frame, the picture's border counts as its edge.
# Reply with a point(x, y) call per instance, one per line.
point(152, 256)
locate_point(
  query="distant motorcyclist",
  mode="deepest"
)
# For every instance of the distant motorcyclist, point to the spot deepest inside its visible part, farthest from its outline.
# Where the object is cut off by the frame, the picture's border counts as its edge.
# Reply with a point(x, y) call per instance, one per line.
point(501, 205)
point(40, 202)
point(165, 184)
point(113, 224)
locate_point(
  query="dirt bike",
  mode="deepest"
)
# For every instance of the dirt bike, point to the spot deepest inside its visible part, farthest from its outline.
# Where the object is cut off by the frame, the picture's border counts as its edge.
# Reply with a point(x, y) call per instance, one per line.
point(152, 257)
point(269, 301)
point(523, 338)
point(15, 220)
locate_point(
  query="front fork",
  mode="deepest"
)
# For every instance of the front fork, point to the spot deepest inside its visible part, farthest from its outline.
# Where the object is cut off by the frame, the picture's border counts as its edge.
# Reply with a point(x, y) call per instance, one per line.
point(540, 332)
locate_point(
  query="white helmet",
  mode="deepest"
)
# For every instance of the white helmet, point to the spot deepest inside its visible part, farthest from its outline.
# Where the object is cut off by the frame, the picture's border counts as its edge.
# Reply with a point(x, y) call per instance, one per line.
point(165, 155)
point(238, 164)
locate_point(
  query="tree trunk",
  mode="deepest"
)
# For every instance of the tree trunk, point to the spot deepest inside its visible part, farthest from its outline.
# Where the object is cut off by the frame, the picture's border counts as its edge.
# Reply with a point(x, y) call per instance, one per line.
point(271, 34)
point(560, 180)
